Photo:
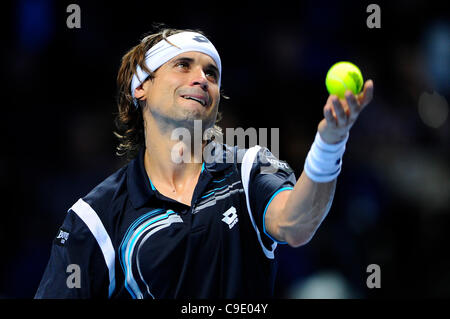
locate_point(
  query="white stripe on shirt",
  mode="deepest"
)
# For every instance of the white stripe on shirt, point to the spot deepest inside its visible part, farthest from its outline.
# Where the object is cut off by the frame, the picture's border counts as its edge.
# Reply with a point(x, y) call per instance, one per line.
point(247, 164)
point(95, 225)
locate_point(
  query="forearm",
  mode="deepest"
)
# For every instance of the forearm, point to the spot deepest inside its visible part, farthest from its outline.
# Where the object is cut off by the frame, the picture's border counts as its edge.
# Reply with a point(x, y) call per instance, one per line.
point(307, 206)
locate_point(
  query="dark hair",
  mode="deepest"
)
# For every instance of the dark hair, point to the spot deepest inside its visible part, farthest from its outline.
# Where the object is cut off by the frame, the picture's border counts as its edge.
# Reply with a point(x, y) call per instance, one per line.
point(129, 120)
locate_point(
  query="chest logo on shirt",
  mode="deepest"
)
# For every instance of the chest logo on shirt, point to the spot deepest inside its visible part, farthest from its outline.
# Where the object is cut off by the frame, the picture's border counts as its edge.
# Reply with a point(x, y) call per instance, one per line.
point(231, 217)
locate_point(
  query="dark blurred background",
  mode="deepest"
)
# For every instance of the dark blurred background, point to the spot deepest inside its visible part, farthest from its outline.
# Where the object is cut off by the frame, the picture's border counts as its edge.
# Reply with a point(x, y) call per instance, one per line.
point(392, 205)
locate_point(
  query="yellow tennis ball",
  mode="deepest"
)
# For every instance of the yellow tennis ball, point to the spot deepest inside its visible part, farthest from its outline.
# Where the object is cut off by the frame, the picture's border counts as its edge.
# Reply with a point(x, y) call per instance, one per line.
point(344, 76)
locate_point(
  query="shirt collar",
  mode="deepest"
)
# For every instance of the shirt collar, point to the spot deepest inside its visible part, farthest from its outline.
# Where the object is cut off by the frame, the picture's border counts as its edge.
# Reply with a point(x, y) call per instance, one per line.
point(139, 185)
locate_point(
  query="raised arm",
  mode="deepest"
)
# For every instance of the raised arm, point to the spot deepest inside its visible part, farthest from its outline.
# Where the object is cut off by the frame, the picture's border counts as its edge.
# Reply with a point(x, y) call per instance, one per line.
point(294, 216)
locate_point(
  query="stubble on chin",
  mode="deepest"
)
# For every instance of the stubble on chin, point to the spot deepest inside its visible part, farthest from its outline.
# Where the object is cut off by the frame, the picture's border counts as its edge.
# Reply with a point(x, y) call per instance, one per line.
point(183, 118)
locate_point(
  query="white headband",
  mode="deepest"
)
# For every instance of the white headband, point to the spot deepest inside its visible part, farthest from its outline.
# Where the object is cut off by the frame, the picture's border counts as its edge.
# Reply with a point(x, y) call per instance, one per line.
point(163, 51)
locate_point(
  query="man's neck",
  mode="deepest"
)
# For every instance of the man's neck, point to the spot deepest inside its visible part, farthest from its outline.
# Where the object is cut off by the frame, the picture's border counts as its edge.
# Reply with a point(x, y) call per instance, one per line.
point(172, 165)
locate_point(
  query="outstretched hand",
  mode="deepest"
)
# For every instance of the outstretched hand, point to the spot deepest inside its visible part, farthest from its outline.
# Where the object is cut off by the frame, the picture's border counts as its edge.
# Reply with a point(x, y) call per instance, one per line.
point(340, 115)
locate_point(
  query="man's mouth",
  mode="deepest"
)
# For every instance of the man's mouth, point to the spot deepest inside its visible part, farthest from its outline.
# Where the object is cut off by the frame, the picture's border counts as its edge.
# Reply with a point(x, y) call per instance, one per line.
point(202, 101)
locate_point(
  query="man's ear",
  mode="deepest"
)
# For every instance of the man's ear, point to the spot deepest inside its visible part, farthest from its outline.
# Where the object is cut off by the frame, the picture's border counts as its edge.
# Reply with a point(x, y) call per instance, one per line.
point(139, 92)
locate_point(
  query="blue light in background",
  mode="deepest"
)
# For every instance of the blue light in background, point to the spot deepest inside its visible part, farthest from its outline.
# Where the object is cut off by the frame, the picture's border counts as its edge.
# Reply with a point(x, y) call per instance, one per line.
point(35, 23)
point(437, 54)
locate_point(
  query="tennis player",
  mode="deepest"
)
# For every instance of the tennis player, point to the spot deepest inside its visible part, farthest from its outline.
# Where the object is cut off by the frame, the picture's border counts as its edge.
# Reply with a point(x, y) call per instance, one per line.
point(204, 227)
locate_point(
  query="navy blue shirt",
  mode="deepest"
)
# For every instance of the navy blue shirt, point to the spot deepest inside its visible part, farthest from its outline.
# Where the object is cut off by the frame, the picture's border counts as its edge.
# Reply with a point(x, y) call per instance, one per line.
point(130, 241)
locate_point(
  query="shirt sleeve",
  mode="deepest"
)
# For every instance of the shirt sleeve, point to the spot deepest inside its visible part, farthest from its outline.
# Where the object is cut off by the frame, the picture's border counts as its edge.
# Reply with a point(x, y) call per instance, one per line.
point(268, 177)
point(76, 268)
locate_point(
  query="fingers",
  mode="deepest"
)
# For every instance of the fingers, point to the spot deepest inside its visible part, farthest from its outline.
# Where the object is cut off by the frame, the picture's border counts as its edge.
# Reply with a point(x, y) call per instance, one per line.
point(328, 114)
point(334, 112)
point(345, 112)
point(353, 106)
point(341, 115)
point(366, 96)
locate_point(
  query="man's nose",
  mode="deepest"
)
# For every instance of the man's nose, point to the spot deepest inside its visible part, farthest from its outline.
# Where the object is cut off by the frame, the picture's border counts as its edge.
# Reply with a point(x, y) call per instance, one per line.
point(199, 78)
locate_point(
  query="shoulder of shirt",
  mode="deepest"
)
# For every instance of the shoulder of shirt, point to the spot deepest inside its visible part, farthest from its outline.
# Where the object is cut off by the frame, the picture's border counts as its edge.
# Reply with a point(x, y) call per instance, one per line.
point(110, 188)
point(240, 153)
point(266, 162)
point(234, 154)
point(110, 193)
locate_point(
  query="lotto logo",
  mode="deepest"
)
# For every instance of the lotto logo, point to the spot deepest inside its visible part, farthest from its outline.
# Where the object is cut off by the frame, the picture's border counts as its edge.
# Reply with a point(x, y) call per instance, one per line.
point(200, 38)
point(231, 217)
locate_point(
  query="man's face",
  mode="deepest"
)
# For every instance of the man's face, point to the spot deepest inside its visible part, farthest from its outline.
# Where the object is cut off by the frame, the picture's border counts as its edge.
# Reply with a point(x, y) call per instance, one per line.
point(185, 89)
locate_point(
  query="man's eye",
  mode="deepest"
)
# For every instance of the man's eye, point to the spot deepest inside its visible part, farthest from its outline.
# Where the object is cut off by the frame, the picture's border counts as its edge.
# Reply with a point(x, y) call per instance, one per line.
point(211, 74)
point(182, 65)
